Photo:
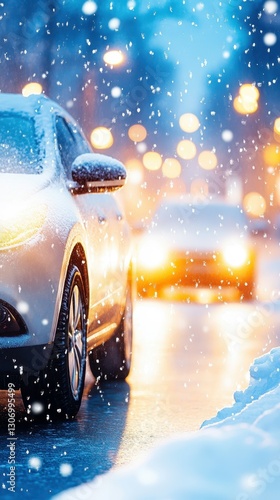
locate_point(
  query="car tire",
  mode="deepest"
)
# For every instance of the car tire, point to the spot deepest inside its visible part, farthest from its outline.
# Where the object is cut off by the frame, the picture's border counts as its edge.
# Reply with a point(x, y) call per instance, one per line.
point(57, 390)
point(112, 359)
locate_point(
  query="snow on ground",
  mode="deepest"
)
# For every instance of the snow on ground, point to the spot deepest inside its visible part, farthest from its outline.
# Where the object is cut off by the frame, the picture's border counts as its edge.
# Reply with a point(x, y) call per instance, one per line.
point(234, 456)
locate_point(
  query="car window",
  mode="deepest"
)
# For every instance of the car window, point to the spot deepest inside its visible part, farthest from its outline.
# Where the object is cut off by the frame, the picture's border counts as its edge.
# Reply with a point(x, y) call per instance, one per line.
point(201, 217)
point(70, 143)
point(19, 150)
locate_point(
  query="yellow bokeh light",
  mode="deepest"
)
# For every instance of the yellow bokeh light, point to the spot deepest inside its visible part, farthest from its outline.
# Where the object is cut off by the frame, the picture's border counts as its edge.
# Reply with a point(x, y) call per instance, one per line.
point(189, 122)
point(186, 149)
point(32, 88)
point(113, 57)
point(207, 160)
point(254, 204)
point(277, 126)
point(276, 129)
point(101, 138)
point(137, 133)
point(152, 160)
point(246, 102)
point(244, 107)
point(249, 92)
point(134, 171)
point(171, 168)
point(271, 155)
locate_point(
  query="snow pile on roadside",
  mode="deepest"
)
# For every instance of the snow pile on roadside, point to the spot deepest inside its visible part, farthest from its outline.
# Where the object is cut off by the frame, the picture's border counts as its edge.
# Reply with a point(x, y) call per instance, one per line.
point(235, 456)
point(262, 393)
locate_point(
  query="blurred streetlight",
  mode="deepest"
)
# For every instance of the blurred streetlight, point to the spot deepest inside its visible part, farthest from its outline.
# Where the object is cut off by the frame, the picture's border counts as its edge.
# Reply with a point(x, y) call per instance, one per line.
point(152, 160)
point(271, 155)
point(137, 133)
point(277, 126)
point(114, 57)
point(32, 88)
point(244, 107)
point(101, 138)
point(246, 102)
point(276, 129)
point(171, 168)
point(186, 149)
point(207, 160)
point(249, 92)
point(189, 122)
point(254, 204)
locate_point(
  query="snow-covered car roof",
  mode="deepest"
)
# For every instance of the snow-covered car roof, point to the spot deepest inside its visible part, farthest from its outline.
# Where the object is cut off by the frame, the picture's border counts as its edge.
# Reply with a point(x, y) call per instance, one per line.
point(31, 104)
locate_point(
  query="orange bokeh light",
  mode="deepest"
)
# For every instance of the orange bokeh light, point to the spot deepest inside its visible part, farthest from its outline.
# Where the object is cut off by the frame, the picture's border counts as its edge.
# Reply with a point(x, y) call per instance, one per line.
point(254, 204)
point(137, 133)
point(271, 155)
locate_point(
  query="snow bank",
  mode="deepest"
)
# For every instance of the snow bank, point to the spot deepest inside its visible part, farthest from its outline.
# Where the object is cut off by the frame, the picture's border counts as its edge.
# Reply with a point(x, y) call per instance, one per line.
point(235, 456)
point(262, 393)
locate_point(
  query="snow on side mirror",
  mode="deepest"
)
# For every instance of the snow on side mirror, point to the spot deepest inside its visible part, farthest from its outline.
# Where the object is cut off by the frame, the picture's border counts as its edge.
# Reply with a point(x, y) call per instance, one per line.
point(95, 173)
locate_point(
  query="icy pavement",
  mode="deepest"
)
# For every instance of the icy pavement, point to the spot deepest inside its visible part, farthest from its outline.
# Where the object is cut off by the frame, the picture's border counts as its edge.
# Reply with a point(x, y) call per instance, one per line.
point(235, 456)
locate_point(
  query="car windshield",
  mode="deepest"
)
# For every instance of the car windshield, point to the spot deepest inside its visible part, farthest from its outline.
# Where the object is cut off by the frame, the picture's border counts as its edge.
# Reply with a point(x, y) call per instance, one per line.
point(201, 218)
point(19, 151)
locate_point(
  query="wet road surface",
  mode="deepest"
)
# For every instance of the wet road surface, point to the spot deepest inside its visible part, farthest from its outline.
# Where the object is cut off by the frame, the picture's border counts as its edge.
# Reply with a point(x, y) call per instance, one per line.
point(189, 358)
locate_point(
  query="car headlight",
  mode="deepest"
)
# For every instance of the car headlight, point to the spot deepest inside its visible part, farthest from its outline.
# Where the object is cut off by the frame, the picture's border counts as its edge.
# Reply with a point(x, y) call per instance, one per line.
point(151, 254)
point(18, 224)
point(235, 254)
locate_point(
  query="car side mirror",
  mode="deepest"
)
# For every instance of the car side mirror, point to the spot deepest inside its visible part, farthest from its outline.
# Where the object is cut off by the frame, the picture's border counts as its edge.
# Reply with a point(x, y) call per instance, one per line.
point(95, 173)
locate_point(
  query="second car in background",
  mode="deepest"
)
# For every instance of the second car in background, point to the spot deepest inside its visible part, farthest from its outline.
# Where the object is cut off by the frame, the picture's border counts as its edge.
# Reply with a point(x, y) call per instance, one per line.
point(196, 245)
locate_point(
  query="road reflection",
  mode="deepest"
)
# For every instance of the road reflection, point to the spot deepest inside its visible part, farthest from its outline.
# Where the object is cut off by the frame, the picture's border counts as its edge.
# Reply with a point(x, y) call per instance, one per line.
point(189, 356)
point(188, 361)
point(55, 456)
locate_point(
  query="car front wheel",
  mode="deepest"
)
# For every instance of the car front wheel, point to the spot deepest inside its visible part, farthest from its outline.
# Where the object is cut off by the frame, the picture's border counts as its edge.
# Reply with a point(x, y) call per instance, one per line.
point(57, 390)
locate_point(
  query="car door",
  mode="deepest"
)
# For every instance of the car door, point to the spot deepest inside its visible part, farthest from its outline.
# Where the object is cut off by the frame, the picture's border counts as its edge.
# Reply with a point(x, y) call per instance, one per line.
point(103, 222)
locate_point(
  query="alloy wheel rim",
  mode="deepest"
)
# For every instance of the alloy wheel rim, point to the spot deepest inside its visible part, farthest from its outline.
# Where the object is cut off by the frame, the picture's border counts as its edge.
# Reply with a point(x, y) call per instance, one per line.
point(75, 337)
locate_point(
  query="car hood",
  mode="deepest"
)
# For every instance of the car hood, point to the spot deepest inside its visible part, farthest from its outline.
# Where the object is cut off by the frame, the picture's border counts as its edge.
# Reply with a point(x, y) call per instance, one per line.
point(21, 187)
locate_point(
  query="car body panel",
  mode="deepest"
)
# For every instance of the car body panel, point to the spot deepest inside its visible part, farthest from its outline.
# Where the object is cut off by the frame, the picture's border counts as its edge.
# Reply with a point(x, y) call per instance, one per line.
point(41, 223)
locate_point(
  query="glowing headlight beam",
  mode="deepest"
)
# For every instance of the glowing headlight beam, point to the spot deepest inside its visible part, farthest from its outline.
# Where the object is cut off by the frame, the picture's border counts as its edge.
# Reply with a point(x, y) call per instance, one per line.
point(235, 254)
point(151, 255)
point(21, 224)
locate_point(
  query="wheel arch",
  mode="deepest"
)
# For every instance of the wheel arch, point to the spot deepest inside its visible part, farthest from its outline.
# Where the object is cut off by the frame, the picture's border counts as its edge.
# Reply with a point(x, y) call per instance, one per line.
point(78, 258)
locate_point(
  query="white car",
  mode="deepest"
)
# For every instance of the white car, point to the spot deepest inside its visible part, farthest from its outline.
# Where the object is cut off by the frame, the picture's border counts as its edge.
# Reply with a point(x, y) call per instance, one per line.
point(65, 259)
